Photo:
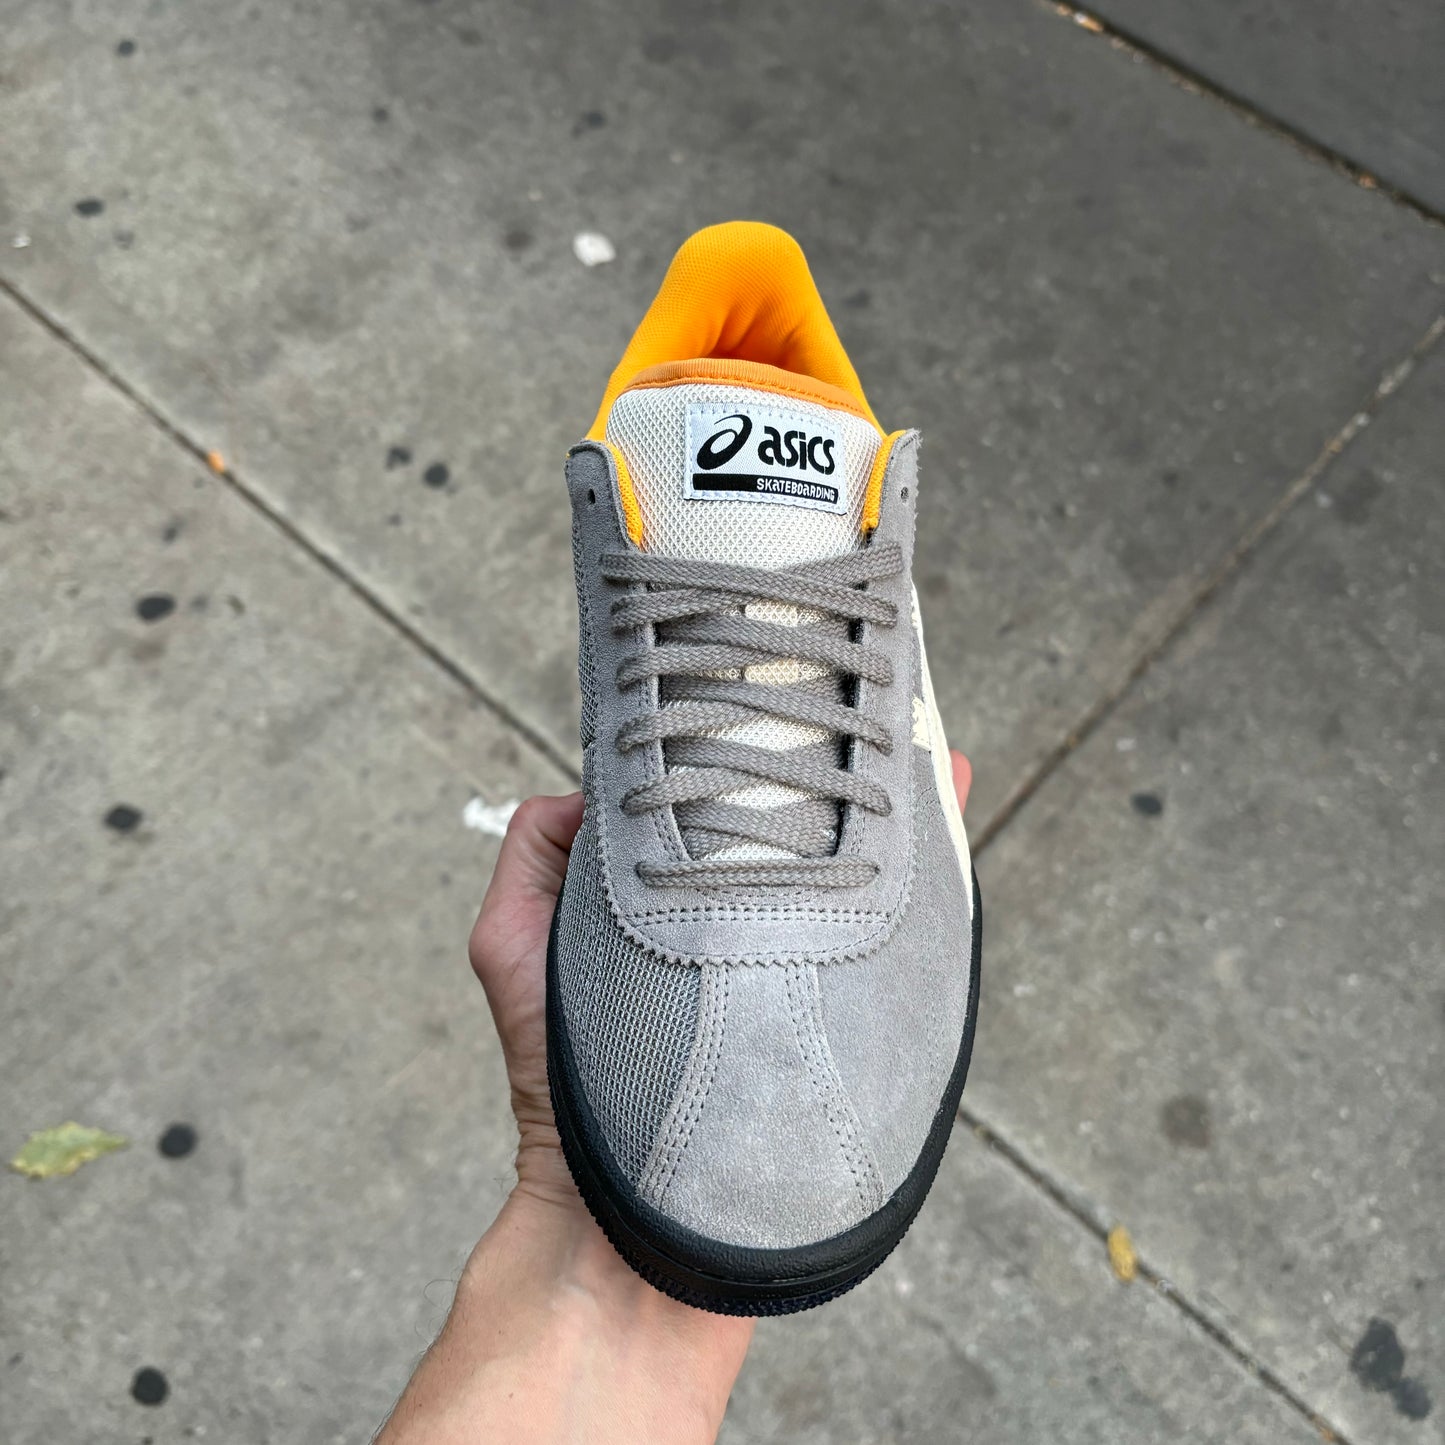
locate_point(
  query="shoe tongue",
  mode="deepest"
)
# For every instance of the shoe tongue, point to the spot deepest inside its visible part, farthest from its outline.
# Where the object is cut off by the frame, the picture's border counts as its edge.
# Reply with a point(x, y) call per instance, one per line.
point(728, 473)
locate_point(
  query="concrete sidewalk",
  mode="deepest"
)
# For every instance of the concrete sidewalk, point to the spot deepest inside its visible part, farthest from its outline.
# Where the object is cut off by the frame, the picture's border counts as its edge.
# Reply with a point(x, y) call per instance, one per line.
point(1183, 395)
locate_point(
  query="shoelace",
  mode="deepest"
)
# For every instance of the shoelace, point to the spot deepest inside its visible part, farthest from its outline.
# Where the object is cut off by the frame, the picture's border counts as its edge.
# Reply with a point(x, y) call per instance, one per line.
point(704, 643)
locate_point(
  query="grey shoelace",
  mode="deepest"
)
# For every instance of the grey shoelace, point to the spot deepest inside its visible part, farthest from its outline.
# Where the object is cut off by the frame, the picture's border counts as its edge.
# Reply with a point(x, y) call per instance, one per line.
point(702, 642)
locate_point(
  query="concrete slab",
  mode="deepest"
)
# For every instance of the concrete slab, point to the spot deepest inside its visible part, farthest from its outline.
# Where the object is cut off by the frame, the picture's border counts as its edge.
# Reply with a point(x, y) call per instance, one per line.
point(1215, 1003)
point(336, 243)
point(998, 1319)
point(271, 954)
point(268, 947)
point(1364, 81)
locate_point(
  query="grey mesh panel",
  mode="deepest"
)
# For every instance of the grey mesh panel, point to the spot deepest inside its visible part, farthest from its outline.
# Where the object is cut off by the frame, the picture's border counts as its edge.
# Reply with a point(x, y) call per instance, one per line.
point(630, 1017)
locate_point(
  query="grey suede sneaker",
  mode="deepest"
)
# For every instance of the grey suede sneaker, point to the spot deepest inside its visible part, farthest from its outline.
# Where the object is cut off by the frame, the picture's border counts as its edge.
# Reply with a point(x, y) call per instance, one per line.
point(763, 971)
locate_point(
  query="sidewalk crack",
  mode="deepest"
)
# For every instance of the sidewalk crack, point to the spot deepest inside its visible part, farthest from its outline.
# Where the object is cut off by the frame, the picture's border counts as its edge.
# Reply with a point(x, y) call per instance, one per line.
point(1184, 75)
point(294, 533)
point(1174, 626)
point(1194, 1313)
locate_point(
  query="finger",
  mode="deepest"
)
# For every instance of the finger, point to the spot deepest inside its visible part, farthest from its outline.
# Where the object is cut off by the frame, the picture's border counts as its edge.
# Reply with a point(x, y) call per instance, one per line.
point(533, 857)
point(525, 883)
point(962, 776)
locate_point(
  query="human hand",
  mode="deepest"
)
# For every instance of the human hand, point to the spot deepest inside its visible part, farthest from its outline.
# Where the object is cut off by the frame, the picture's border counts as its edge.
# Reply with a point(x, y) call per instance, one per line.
point(508, 951)
point(551, 1336)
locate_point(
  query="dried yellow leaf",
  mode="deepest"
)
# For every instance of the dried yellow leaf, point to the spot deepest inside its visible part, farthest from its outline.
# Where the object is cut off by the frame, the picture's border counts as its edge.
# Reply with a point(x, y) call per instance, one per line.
point(63, 1149)
point(1122, 1259)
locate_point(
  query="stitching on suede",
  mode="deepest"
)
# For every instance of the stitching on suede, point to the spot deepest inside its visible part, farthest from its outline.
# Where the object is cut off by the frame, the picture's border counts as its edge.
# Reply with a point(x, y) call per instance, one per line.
point(825, 1089)
point(860, 948)
point(870, 1184)
point(702, 1087)
point(871, 1178)
point(819, 1086)
point(699, 1089)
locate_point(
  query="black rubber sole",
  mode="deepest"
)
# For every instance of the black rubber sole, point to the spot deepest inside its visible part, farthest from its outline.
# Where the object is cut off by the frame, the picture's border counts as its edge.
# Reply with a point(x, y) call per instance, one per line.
point(725, 1278)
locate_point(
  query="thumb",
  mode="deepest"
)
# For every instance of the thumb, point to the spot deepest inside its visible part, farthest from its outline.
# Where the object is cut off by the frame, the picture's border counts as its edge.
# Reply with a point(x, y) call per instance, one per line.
point(533, 859)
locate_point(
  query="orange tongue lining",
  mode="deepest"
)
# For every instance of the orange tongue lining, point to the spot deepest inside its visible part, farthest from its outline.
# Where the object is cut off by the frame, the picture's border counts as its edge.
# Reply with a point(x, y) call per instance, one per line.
point(755, 374)
point(738, 304)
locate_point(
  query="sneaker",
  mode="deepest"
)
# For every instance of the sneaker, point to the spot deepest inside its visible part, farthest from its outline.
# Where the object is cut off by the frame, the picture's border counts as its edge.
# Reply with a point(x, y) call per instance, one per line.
point(763, 970)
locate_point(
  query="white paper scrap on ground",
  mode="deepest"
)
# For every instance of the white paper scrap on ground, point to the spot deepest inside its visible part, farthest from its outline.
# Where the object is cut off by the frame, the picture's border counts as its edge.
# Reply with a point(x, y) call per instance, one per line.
point(592, 248)
point(488, 817)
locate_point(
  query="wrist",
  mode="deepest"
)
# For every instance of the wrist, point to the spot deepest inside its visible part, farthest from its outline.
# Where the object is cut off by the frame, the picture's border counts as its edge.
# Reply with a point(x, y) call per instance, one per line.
point(658, 1368)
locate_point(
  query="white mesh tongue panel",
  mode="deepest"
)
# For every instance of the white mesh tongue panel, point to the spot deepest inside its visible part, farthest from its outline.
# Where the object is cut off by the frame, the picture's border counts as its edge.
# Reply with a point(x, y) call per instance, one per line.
point(649, 426)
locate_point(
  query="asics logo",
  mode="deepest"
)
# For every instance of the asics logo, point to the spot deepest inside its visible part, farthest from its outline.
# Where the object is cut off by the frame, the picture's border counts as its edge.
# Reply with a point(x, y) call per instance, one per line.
point(784, 455)
point(778, 448)
point(725, 443)
point(796, 449)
